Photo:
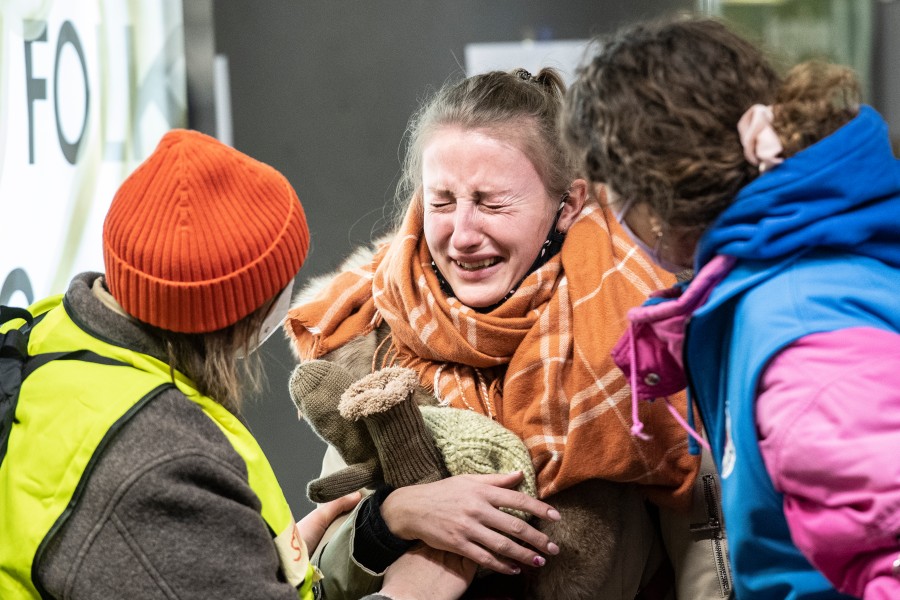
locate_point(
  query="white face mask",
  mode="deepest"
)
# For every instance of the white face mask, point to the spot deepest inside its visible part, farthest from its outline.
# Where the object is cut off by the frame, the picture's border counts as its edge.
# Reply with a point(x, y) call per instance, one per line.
point(274, 319)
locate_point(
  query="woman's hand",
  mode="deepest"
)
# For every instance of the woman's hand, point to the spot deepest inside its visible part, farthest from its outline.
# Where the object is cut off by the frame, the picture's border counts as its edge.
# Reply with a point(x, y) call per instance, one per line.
point(461, 514)
point(424, 573)
point(312, 527)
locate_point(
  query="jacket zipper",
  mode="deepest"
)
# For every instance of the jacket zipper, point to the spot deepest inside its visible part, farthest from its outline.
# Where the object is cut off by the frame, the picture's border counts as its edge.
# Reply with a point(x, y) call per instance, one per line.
point(713, 527)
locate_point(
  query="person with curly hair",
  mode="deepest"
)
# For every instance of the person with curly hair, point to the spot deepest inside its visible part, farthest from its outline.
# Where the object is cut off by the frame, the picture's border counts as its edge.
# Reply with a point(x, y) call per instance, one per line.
point(783, 196)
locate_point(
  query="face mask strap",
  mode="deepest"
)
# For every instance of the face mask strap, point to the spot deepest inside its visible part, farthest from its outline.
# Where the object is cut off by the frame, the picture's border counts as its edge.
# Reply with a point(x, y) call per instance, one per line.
point(553, 243)
point(623, 209)
point(550, 248)
point(654, 252)
point(273, 320)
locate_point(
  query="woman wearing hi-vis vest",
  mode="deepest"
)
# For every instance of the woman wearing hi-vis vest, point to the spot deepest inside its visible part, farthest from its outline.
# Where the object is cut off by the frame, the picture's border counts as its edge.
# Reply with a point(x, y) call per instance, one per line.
point(125, 470)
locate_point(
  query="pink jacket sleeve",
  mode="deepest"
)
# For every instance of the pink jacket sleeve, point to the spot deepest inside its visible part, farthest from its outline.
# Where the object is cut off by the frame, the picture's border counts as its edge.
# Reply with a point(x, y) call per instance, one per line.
point(828, 415)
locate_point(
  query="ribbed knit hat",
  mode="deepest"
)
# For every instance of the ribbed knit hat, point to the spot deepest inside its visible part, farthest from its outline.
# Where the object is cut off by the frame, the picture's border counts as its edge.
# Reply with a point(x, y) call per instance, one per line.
point(201, 235)
point(470, 442)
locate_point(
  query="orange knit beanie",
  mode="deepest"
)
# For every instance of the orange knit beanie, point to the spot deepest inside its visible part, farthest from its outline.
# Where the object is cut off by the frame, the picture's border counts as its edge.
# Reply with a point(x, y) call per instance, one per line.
point(201, 235)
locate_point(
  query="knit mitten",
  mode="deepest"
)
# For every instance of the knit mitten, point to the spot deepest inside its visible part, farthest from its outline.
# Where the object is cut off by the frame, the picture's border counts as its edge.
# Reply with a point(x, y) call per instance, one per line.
point(471, 443)
point(384, 403)
point(316, 387)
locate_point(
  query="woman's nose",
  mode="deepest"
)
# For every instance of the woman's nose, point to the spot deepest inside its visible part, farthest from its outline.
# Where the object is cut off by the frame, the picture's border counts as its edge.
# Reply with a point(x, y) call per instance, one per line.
point(466, 228)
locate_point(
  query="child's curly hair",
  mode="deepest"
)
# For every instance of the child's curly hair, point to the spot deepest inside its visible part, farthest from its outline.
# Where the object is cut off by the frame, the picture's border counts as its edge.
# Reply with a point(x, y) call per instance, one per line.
point(654, 114)
point(815, 100)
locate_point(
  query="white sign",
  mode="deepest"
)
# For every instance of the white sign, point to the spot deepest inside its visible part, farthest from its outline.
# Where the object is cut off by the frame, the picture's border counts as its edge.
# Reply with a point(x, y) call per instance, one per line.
point(563, 55)
point(87, 88)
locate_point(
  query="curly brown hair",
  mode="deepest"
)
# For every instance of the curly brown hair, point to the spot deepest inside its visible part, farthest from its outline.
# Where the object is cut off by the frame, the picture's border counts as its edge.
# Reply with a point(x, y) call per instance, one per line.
point(815, 100)
point(512, 104)
point(654, 114)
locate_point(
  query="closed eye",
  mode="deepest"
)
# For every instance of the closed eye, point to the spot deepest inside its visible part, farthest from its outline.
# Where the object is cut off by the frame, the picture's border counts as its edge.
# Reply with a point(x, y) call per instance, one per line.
point(494, 200)
point(494, 203)
point(440, 198)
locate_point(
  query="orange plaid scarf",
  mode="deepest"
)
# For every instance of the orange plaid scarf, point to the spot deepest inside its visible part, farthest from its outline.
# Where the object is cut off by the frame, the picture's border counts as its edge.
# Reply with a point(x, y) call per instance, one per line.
point(539, 363)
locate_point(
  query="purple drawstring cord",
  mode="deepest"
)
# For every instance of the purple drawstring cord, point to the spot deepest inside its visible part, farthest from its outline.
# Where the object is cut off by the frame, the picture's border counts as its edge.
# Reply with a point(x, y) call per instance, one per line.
point(637, 427)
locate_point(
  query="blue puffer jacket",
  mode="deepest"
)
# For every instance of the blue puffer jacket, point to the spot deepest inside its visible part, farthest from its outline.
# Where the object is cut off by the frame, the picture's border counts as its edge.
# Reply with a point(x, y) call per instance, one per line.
point(816, 243)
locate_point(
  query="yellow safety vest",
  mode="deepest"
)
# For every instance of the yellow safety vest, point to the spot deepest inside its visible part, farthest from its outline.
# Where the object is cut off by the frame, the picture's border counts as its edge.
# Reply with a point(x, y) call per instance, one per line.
point(67, 411)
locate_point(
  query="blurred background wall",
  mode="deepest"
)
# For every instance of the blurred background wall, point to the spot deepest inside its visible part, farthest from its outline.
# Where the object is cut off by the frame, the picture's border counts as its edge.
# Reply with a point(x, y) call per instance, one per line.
point(323, 92)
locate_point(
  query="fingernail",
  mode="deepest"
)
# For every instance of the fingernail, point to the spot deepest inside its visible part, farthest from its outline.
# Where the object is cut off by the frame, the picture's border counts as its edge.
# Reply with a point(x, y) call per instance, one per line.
point(539, 561)
point(554, 514)
point(515, 571)
point(552, 549)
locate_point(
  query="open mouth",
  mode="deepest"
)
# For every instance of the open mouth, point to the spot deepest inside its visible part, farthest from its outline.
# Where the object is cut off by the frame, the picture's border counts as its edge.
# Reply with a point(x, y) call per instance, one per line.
point(474, 266)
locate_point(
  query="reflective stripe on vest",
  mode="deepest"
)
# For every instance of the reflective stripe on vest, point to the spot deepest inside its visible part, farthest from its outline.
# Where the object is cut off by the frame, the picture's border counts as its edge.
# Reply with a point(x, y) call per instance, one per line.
point(65, 419)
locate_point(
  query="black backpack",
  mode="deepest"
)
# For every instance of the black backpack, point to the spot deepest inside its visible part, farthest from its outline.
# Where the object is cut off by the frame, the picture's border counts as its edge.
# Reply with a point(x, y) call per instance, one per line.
point(13, 359)
point(16, 365)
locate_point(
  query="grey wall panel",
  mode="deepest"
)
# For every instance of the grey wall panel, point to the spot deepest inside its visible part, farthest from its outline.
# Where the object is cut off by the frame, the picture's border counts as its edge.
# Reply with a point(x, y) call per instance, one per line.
point(885, 69)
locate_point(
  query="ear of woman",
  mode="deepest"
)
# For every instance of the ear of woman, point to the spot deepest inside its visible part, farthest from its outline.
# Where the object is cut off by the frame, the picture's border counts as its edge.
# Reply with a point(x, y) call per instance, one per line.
point(574, 201)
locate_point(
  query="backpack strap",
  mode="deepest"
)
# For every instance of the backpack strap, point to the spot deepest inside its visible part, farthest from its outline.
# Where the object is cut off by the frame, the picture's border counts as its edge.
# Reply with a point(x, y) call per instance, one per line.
point(13, 355)
point(16, 365)
point(8, 313)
